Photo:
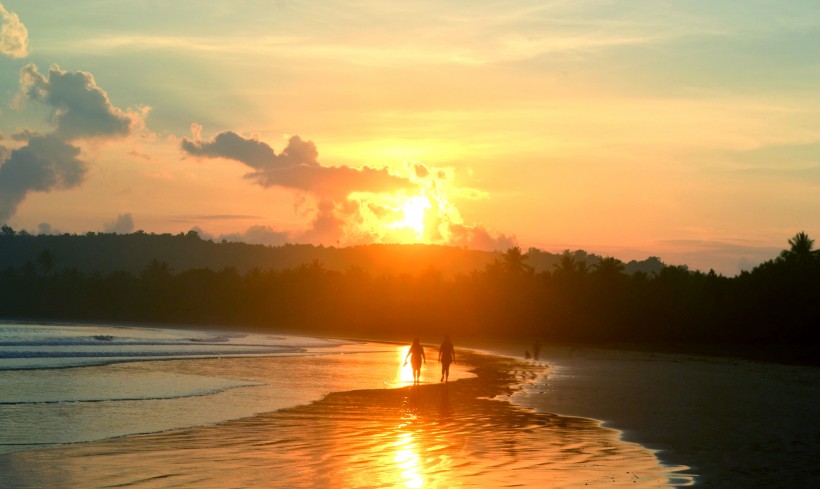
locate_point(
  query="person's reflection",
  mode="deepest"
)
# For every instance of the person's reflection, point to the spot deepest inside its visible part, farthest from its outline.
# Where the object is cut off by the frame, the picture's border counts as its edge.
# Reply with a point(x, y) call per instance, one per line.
point(444, 407)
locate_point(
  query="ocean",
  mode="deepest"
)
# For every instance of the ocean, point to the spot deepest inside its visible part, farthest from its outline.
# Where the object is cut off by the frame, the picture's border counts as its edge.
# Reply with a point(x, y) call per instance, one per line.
point(125, 406)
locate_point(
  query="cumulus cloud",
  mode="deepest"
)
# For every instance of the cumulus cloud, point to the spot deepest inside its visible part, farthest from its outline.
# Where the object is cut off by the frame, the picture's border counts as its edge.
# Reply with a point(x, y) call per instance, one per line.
point(13, 35)
point(45, 163)
point(348, 205)
point(296, 167)
point(81, 108)
point(123, 224)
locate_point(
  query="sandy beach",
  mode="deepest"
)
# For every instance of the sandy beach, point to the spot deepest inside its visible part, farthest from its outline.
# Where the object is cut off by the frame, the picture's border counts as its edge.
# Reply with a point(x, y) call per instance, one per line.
point(584, 418)
point(736, 423)
point(432, 435)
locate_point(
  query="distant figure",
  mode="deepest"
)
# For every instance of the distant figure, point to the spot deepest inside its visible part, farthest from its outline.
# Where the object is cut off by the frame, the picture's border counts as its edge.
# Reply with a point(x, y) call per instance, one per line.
point(527, 354)
point(416, 355)
point(536, 349)
point(446, 355)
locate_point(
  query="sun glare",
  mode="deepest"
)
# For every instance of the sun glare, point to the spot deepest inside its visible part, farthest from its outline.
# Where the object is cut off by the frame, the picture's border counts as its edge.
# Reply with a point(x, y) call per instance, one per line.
point(413, 210)
point(420, 213)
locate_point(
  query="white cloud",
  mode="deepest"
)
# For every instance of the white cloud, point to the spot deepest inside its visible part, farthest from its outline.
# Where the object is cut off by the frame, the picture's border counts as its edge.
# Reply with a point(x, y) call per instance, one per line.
point(13, 35)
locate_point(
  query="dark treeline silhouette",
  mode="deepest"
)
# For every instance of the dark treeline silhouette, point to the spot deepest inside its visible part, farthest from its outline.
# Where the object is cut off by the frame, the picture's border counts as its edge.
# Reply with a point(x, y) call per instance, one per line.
point(110, 252)
point(774, 304)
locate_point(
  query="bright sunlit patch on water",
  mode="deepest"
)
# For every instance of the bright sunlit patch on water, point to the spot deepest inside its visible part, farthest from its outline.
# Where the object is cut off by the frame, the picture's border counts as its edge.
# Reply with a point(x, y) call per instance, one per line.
point(407, 460)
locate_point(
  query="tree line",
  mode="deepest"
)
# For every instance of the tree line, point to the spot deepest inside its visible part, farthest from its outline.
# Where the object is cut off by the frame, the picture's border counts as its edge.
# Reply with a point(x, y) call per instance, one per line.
point(775, 303)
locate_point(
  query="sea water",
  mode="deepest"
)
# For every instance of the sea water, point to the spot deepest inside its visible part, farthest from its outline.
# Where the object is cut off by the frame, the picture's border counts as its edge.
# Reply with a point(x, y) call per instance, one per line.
point(70, 383)
point(135, 391)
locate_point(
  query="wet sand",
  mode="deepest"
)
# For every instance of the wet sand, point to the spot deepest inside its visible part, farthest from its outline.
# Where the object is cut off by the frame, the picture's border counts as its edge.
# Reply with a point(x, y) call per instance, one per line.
point(737, 423)
point(432, 435)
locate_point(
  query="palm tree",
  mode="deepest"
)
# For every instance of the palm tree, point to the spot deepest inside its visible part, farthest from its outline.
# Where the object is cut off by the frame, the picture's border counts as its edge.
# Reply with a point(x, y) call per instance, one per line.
point(46, 261)
point(568, 265)
point(514, 260)
point(801, 249)
point(609, 267)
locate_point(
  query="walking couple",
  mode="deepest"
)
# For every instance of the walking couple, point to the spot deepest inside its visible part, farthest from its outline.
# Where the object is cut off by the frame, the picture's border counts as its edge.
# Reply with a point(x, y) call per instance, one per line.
point(446, 356)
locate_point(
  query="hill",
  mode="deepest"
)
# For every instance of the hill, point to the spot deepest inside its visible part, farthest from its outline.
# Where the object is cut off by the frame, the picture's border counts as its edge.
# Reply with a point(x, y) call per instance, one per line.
point(108, 252)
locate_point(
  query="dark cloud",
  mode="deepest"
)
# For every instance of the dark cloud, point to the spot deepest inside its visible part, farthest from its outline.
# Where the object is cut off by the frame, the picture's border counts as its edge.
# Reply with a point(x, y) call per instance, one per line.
point(297, 167)
point(230, 145)
point(13, 35)
point(45, 163)
point(81, 108)
point(51, 161)
point(123, 224)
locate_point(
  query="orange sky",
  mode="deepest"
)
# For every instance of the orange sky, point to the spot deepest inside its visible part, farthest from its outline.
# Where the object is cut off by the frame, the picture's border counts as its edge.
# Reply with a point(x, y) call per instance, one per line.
point(688, 131)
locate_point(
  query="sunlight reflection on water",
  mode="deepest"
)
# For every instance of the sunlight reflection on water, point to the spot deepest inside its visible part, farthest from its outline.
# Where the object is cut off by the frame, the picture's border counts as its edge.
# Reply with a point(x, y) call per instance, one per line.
point(431, 436)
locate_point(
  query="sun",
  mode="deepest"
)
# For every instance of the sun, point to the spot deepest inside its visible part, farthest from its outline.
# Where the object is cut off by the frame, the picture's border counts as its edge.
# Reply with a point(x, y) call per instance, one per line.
point(419, 213)
point(413, 210)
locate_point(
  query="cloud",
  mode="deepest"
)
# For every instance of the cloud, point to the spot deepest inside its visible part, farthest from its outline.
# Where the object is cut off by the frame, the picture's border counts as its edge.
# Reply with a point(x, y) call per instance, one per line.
point(51, 161)
point(349, 205)
point(45, 163)
point(13, 35)
point(479, 238)
point(81, 108)
point(328, 225)
point(230, 145)
point(297, 167)
point(263, 235)
point(123, 224)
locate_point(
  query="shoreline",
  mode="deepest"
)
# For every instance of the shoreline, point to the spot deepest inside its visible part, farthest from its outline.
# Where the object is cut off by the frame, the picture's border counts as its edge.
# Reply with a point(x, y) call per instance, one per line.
point(736, 422)
point(432, 435)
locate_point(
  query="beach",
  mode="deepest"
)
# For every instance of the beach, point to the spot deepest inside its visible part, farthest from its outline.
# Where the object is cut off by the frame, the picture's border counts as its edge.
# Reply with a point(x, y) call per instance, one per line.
point(432, 435)
point(735, 422)
point(338, 413)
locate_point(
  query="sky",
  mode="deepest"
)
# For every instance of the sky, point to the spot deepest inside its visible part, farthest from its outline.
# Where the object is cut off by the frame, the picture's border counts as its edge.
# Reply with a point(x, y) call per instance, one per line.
point(686, 130)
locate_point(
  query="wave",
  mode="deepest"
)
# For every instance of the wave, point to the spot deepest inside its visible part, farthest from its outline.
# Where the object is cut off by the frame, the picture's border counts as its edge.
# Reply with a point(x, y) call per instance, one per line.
point(201, 393)
point(143, 353)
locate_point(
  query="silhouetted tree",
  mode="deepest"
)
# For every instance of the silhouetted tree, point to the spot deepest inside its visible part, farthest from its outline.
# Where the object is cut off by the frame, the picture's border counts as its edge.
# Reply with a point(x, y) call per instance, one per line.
point(514, 261)
point(609, 267)
point(46, 261)
point(801, 249)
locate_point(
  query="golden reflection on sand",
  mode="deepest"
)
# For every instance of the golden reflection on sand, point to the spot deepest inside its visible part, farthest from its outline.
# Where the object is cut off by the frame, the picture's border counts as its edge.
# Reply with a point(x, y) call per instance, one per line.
point(428, 436)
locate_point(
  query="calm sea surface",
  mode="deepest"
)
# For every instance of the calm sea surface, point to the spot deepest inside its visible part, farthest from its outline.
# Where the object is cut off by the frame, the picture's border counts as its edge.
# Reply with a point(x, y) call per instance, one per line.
point(103, 406)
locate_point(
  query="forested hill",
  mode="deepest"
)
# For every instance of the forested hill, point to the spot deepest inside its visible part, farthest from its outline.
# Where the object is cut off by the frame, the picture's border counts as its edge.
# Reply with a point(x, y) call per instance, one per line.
point(106, 253)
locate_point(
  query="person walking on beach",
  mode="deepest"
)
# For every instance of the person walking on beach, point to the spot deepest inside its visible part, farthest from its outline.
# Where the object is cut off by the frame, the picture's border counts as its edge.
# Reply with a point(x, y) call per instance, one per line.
point(416, 355)
point(446, 356)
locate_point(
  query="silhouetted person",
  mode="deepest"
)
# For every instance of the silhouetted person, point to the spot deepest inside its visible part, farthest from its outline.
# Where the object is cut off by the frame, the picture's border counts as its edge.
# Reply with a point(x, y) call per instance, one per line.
point(446, 355)
point(416, 355)
point(536, 350)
